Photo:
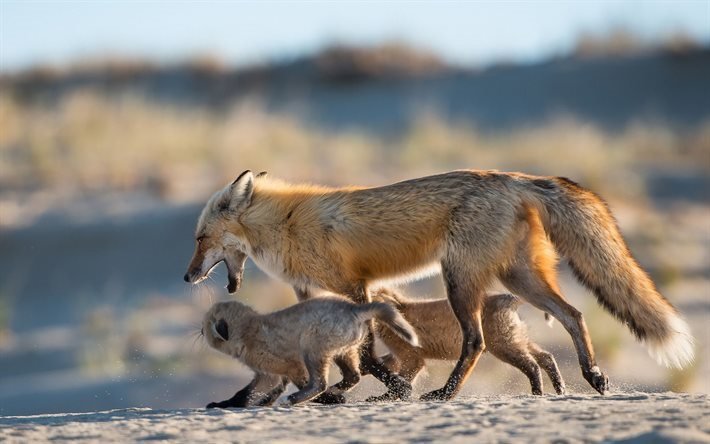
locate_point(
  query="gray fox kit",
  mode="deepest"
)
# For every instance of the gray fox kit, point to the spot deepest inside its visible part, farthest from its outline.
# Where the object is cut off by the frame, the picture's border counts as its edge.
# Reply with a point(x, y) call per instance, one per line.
point(440, 338)
point(297, 344)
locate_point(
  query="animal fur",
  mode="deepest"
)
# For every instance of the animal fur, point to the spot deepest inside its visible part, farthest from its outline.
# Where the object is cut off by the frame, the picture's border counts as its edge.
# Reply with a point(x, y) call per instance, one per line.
point(297, 344)
point(474, 226)
point(440, 338)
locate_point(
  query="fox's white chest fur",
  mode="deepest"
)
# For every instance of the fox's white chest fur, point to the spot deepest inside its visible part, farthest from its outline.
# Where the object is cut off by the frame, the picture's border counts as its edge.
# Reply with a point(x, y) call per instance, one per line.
point(271, 263)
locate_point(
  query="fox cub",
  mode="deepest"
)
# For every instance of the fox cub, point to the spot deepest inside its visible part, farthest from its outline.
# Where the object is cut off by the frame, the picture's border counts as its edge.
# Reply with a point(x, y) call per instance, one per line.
point(298, 344)
point(440, 337)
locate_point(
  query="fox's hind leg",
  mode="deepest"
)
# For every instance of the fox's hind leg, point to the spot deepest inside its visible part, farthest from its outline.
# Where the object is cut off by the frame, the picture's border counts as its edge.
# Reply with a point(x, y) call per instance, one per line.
point(532, 276)
point(548, 363)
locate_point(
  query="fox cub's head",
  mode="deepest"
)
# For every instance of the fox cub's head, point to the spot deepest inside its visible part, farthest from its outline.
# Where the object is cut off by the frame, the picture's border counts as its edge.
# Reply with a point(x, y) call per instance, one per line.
point(217, 235)
point(215, 327)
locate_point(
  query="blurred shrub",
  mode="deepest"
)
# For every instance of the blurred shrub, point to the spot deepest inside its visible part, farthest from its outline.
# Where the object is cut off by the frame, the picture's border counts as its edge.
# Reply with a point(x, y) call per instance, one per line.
point(90, 143)
point(343, 63)
point(620, 41)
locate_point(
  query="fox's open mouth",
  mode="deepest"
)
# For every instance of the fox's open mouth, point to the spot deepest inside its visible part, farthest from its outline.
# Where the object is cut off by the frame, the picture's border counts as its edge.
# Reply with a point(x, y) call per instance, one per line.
point(209, 270)
point(198, 279)
point(234, 277)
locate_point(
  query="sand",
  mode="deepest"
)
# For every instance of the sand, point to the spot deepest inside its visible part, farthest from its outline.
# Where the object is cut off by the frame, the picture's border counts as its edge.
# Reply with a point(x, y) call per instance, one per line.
point(628, 417)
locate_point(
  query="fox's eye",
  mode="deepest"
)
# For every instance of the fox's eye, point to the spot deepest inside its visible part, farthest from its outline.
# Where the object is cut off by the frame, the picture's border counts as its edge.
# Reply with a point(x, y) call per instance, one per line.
point(200, 239)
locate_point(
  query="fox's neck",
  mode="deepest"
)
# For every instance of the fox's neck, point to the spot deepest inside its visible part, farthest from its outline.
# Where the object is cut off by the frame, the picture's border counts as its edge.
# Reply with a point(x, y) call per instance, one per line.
point(272, 208)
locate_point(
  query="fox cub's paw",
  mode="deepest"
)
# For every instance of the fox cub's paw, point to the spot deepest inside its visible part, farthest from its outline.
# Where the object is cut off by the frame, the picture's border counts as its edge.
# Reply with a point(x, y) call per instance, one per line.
point(329, 398)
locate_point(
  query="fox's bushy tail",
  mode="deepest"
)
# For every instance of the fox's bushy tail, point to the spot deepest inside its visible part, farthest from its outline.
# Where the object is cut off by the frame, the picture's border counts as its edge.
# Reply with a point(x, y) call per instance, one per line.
point(392, 318)
point(583, 230)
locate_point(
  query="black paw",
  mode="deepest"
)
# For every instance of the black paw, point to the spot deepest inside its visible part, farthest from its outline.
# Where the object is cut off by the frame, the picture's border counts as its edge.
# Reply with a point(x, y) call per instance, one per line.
point(329, 398)
point(399, 388)
point(388, 396)
point(437, 395)
point(223, 405)
point(598, 380)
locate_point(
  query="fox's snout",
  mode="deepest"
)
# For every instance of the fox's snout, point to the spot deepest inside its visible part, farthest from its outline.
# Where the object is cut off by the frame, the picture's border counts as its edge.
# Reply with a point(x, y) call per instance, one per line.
point(193, 275)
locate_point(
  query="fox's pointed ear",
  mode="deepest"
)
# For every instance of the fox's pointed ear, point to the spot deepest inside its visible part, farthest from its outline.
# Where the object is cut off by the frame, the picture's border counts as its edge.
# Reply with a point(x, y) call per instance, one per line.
point(221, 329)
point(237, 196)
point(262, 174)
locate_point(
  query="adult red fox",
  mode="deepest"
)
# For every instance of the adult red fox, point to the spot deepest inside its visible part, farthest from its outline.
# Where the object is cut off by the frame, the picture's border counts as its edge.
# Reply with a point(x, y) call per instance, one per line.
point(473, 226)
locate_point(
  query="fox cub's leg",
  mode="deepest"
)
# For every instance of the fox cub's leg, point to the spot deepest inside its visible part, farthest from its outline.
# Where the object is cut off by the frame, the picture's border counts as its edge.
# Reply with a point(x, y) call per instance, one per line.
point(369, 364)
point(317, 368)
point(273, 394)
point(262, 385)
point(548, 363)
point(519, 358)
point(408, 365)
point(349, 365)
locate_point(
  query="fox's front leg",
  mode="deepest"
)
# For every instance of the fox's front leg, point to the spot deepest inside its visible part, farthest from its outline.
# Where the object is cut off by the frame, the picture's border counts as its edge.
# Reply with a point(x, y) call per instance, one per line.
point(466, 301)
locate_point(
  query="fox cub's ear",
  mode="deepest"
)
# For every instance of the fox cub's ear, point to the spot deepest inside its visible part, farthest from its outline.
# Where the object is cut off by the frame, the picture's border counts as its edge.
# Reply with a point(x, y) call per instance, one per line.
point(221, 329)
point(262, 174)
point(237, 196)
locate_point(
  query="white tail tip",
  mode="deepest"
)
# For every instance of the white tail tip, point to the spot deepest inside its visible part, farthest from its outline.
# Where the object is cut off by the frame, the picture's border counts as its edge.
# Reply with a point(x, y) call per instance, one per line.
point(677, 349)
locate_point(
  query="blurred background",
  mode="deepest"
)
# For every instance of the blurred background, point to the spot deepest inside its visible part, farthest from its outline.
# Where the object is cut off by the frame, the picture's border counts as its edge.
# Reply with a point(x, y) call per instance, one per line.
point(119, 119)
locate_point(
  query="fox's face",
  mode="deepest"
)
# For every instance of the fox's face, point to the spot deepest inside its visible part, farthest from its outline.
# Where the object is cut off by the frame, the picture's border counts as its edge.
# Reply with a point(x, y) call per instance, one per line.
point(215, 236)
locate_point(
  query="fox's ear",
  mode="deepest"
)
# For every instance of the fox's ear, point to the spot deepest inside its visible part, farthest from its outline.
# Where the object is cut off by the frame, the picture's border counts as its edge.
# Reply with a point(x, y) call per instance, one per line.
point(262, 174)
point(237, 196)
point(221, 329)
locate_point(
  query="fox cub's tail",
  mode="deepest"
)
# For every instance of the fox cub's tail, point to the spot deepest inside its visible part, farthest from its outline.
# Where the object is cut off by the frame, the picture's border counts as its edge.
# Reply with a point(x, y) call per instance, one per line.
point(389, 316)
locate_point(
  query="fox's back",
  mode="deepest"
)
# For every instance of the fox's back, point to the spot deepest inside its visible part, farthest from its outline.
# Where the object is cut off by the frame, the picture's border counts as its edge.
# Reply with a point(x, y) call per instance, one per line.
point(402, 227)
point(330, 319)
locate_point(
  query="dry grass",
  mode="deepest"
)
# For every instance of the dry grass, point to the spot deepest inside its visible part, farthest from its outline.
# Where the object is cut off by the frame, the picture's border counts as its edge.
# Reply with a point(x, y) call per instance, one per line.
point(92, 144)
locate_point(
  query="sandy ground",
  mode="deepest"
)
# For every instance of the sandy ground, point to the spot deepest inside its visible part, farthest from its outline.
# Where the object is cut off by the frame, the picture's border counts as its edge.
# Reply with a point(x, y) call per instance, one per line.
point(628, 417)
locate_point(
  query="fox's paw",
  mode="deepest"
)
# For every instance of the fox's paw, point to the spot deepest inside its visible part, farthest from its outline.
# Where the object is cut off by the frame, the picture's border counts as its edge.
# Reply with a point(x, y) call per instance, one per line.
point(219, 405)
point(399, 387)
point(388, 396)
point(329, 398)
point(441, 394)
point(283, 403)
point(598, 380)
